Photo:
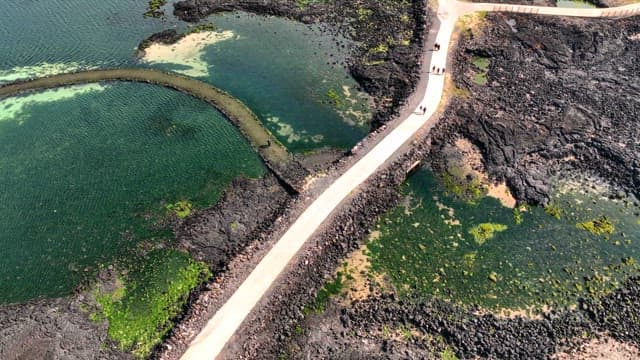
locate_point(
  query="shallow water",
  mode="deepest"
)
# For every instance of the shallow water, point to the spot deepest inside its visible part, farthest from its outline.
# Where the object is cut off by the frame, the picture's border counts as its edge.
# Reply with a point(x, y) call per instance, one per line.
point(426, 249)
point(280, 68)
point(81, 175)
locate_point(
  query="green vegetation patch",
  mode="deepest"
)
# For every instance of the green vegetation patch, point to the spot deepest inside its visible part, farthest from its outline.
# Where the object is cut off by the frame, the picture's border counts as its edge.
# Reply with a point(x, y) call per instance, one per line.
point(600, 226)
point(153, 8)
point(151, 294)
point(468, 188)
point(553, 210)
point(334, 97)
point(485, 231)
point(181, 209)
point(482, 63)
point(531, 261)
point(448, 354)
point(332, 288)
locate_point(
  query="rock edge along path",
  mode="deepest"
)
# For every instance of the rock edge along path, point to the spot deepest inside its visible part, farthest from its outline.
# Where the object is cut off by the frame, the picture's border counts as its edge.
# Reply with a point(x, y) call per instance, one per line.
point(272, 152)
point(213, 338)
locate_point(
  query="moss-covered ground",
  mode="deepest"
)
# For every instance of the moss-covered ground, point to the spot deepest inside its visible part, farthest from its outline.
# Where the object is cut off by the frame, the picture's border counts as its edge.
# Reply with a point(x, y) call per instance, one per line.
point(150, 294)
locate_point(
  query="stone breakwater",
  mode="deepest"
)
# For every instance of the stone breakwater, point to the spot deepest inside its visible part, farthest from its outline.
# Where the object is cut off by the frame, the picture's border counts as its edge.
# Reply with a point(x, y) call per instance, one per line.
point(277, 158)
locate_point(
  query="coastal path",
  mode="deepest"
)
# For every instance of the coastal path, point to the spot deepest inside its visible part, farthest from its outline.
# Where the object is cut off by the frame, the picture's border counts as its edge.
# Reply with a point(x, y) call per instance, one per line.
point(221, 327)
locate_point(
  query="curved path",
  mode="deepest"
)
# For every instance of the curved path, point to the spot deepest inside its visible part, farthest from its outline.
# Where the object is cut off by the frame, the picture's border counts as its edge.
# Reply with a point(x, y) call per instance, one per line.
point(272, 152)
point(222, 326)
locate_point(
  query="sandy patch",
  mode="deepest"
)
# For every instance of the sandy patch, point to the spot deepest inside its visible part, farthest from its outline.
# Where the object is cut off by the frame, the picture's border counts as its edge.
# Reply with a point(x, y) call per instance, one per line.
point(14, 108)
point(605, 348)
point(501, 192)
point(360, 281)
point(187, 52)
point(287, 132)
point(472, 164)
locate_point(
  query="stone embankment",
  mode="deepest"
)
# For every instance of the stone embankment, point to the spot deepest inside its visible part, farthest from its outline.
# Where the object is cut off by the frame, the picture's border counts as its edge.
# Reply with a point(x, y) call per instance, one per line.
point(273, 153)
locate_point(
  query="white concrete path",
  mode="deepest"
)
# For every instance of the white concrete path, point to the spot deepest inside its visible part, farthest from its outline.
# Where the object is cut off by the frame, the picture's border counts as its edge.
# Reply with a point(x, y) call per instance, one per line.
point(222, 326)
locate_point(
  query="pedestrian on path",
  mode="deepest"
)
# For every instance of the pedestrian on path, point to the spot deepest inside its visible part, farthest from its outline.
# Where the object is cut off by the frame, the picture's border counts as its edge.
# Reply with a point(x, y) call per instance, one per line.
point(424, 110)
point(433, 69)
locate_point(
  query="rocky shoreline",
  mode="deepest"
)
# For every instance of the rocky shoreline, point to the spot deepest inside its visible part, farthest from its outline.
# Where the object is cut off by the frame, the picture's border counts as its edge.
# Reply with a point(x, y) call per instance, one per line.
point(541, 96)
point(385, 56)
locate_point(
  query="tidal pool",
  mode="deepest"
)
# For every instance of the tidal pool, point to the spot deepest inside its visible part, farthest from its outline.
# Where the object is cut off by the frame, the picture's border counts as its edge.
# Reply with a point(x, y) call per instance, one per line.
point(483, 253)
point(86, 170)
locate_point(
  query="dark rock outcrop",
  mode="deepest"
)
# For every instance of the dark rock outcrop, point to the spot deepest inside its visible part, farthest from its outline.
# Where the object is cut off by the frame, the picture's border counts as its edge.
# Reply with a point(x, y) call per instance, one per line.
point(560, 94)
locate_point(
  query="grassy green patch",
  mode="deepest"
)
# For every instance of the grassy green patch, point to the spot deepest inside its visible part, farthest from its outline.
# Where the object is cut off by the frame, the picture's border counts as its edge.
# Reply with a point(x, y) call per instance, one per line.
point(482, 63)
point(153, 292)
point(480, 79)
point(485, 231)
point(181, 209)
point(600, 226)
point(553, 210)
point(330, 289)
point(448, 354)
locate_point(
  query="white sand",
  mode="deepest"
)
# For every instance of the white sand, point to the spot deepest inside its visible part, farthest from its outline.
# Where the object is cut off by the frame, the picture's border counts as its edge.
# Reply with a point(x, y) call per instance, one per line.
point(40, 70)
point(13, 108)
point(187, 52)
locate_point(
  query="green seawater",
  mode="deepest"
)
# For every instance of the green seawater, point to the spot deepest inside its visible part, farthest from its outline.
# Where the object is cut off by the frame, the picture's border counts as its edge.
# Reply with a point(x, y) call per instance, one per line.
point(84, 176)
point(428, 247)
point(85, 171)
point(281, 69)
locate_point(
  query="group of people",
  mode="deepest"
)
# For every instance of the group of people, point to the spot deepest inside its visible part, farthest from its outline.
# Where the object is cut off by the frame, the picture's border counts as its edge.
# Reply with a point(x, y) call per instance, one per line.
point(437, 70)
point(423, 109)
point(436, 46)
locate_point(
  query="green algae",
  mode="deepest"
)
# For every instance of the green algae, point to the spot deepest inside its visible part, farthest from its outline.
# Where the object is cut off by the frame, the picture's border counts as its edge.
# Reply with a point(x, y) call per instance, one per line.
point(152, 293)
point(331, 288)
point(469, 188)
point(600, 226)
point(485, 231)
point(181, 209)
point(553, 210)
point(534, 261)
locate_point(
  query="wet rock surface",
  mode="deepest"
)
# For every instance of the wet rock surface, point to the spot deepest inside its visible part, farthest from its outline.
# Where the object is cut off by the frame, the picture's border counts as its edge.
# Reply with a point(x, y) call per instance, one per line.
point(246, 209)
point(559, 94)
point(388, 35)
